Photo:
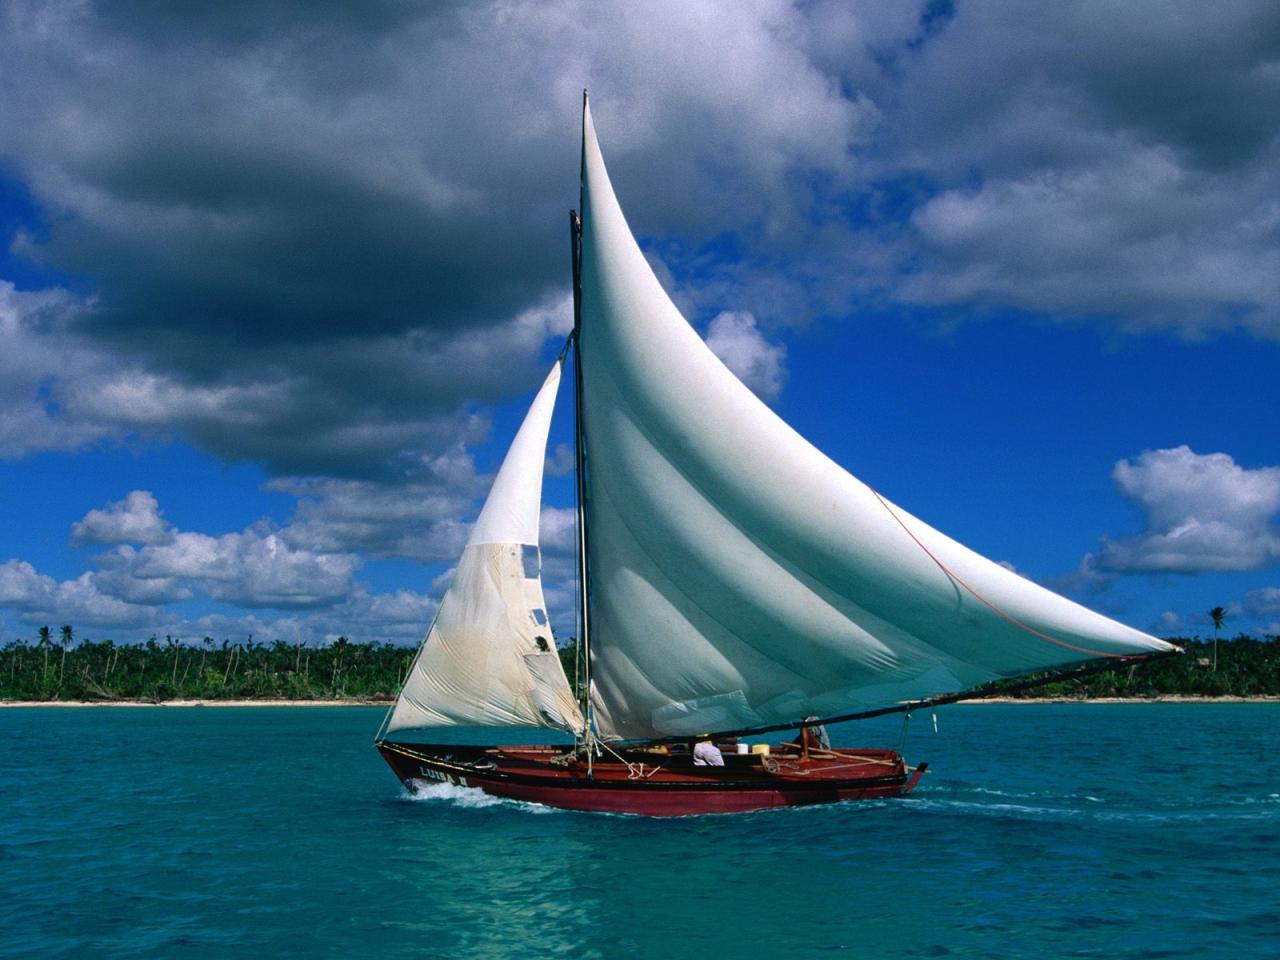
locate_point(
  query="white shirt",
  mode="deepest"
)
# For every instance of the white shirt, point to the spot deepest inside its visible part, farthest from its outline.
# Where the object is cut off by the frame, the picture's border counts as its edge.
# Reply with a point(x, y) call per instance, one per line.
point(705, 754)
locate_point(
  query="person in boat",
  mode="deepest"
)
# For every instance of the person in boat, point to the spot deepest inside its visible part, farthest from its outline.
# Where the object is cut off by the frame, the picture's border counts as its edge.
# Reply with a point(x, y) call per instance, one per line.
point(813, 736)
point(707, 754)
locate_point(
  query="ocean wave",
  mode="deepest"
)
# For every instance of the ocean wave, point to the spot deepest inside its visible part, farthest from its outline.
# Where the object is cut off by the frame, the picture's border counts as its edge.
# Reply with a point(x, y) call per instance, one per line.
point(1238, 809)
point(1016, 794)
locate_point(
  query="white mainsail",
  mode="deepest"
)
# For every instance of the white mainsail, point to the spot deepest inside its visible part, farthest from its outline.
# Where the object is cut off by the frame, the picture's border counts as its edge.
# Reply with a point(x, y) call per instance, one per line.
point(489, 658)
point(739, 577)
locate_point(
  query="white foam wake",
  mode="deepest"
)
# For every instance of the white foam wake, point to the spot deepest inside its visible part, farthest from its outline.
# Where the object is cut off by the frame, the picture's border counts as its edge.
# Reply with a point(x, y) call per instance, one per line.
point(472, 798)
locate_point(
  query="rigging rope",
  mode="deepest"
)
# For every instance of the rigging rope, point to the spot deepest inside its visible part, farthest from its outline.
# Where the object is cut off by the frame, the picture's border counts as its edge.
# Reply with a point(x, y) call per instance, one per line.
point(635, 771)
point(987, 603)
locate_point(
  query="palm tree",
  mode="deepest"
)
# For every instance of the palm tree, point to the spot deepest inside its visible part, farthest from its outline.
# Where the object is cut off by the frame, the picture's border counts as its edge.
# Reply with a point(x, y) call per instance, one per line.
point(44, 645)
point(1218, 615)
point(67, 638)
point(341, 646)
point(175, 646)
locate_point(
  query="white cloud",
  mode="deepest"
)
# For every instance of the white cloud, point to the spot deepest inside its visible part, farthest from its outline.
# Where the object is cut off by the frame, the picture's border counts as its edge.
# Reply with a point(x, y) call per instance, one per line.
point(400, 617)
point(1262, 602)
point(293, 268)
point(39, 599)
point(252, 569)
point(1087, 163)
point(558, 533)
point(22, 587)
point(561, 462)
point(419, 520)
point(288, 272)
point(558, 530)
point(127, 595)
point(735, 339)
point(38, 353)
point(1102, 242)
point(1203, 512)
point(135, 519)
point(155, 564)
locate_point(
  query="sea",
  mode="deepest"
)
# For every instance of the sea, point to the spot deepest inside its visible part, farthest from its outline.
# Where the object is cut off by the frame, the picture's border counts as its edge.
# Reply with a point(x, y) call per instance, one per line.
point(1046, 830)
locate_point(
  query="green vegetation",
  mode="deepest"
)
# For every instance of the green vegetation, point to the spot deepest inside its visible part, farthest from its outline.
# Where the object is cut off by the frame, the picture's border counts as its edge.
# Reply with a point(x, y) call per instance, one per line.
point(1245, 667)
point(57, 667)
point(170, 670)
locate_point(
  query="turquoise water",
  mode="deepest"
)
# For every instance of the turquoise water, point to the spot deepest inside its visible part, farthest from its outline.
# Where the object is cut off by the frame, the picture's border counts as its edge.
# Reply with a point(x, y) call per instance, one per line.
point(1046, 831)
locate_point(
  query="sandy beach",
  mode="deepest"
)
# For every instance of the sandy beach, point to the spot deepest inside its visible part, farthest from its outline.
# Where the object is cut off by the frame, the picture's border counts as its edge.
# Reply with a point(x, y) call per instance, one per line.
point(1090, 700)
point(376, 703)
point(195, 703)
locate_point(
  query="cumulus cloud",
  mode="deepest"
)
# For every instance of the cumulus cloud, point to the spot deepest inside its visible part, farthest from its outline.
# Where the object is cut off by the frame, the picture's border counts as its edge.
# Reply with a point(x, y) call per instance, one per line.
point(293, 244)
point(40, 599)
point(1203, 512)
point(250, 569)
point(735, 339)
point(154, 564)
point(400, 617)
point(361, 407)
point(558, 533)
point(254, 570)
point(1106, 242)
point(38, 353)
point(1121, 167)
point(305, 250)
point(558, 529)
point(422, 519)
point(301, 189)
point(135, 519)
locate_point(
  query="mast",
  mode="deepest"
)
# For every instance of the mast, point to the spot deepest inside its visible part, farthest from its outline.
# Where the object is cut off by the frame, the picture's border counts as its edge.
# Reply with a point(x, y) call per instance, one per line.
point(579, 440)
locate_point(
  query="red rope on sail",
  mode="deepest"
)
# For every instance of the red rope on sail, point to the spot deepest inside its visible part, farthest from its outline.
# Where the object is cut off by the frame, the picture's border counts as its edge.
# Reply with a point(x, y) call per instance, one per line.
point(983, 600)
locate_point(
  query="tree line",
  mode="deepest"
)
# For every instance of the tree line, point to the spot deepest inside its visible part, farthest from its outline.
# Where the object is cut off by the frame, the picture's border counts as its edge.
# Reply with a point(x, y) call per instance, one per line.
point(60, 667)
point(1243, 667)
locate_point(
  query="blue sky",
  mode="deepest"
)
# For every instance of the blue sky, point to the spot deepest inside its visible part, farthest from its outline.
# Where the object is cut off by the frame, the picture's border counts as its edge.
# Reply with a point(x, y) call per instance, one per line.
point(276, 286)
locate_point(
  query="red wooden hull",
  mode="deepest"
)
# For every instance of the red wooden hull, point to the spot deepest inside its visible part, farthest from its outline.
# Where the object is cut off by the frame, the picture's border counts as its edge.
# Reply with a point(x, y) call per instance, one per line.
point(654, 782)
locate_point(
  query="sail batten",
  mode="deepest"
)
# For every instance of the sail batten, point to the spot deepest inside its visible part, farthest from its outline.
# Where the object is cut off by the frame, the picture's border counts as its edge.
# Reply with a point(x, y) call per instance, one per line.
point(739, 577)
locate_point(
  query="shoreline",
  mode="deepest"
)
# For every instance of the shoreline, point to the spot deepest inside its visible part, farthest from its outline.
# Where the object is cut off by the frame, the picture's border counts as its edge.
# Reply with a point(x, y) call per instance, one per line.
point(356, 702)
point(345, 702)
point(1163, 698)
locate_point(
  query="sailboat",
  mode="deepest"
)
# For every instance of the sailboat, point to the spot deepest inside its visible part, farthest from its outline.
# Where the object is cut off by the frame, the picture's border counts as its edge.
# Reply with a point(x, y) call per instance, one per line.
point(732, 580)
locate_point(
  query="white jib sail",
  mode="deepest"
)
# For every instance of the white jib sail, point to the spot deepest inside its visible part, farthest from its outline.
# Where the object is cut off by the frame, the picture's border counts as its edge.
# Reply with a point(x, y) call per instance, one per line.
point(739, 577)
point(489, 658)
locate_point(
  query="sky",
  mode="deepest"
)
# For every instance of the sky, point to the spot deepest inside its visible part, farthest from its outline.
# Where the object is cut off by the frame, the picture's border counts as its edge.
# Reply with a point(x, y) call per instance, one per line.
point(278, 281)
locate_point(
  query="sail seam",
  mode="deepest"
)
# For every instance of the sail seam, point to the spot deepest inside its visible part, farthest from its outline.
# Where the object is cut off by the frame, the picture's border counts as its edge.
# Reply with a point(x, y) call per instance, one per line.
point(641, 545)
point(987, 603)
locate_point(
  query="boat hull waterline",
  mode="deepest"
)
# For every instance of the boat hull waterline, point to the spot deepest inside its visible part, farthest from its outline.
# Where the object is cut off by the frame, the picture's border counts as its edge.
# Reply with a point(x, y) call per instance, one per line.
point(655, 784)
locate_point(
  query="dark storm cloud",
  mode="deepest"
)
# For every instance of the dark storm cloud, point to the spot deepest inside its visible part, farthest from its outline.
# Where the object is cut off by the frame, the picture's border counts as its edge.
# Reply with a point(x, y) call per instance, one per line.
point(316, 239)
point(1200, 83)
point(318, 235)
point(1119, 162)
point(271, 184)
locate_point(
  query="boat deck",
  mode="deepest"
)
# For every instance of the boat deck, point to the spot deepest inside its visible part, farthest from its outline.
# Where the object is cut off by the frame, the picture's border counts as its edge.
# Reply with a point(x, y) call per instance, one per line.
point(658, 781)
